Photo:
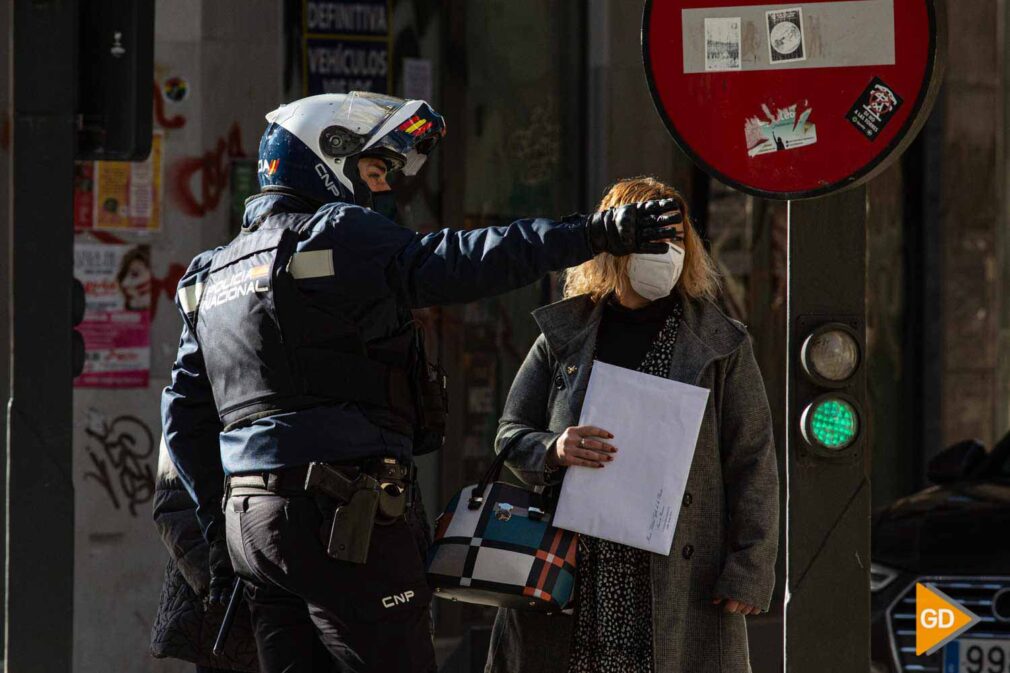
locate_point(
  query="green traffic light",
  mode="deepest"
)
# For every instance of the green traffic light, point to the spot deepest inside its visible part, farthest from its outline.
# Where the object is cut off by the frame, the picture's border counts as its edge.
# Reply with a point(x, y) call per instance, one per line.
point(834, 423)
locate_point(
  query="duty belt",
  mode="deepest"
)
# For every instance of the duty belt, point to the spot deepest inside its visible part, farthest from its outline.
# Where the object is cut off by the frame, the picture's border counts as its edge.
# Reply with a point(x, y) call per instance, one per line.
point(391, 479)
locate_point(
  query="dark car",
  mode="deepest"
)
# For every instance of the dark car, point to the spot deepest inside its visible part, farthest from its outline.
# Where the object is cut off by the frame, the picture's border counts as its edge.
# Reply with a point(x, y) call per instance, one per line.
point(956, 536)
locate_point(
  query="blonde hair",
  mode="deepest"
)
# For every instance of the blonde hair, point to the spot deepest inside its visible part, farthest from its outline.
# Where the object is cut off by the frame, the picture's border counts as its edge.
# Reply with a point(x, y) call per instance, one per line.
point(605, 273)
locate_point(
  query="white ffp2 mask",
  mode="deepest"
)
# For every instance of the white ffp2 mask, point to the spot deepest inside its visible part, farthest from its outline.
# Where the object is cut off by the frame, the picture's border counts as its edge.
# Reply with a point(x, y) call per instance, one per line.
point(654, 276)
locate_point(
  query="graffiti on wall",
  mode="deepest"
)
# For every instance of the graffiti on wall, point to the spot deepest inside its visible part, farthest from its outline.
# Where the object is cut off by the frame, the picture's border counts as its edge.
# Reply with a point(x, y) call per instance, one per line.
point(197, 184)
point(121, 452)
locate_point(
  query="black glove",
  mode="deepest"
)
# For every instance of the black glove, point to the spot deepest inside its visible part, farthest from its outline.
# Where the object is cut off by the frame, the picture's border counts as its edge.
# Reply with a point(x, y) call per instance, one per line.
point(636, 227)
point(222, 576)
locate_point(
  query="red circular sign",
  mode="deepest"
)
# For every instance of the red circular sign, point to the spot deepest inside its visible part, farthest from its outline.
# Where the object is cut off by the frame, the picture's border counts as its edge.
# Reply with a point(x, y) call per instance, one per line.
point(792, 101)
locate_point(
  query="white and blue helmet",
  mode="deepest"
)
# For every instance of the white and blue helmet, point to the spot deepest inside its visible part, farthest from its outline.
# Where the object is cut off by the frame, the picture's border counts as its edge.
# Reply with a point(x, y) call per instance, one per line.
point(311, 146)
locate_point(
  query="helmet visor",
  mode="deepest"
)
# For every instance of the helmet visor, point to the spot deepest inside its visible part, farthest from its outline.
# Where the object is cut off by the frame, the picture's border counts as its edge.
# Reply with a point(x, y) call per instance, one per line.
point(363, 113)
point(411, 134)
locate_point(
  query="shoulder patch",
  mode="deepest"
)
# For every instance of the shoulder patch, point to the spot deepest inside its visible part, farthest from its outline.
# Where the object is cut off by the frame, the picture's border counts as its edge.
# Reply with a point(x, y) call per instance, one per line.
point(190, 287)
point(311, 264)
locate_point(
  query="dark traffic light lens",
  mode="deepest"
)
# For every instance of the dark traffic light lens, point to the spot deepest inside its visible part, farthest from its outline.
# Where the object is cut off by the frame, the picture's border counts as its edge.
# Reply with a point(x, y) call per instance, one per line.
point(830, 355)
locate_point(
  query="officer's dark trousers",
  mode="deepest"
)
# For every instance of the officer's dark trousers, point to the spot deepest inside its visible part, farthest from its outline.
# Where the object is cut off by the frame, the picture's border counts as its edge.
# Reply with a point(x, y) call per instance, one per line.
point(371, 617)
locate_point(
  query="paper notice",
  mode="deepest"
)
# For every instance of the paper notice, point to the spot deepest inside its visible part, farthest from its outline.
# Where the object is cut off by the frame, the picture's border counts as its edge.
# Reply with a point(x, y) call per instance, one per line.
point(635, 500)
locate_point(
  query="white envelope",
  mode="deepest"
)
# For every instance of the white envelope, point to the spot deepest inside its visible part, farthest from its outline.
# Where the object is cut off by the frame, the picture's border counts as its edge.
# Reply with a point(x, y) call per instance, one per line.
point(635, 499)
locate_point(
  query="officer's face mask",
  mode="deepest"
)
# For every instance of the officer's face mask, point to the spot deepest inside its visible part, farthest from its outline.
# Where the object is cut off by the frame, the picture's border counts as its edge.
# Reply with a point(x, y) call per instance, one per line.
point(654, 276)
point(384, 203)
point(373, 185)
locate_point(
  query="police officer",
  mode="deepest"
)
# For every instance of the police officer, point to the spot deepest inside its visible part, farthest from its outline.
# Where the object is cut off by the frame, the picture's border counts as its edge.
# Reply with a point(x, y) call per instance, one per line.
point(301, 390)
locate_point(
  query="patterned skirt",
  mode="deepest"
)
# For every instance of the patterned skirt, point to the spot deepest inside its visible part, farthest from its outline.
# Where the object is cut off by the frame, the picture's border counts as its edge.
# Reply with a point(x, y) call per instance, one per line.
point(613, 609)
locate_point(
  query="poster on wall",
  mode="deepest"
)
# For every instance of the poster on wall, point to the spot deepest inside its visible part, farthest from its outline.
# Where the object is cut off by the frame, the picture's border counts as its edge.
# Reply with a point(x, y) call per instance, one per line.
point(117, 317)
point(84, 194)
point(346, 46)
point(417, 78)
point(120, 195)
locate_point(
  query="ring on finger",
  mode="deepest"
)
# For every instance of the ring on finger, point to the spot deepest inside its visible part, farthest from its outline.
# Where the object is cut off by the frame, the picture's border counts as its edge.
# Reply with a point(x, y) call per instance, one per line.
point(582, 443)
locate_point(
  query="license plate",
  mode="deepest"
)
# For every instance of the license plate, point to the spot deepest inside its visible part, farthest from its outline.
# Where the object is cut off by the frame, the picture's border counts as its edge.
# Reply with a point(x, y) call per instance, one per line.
point(976, 655)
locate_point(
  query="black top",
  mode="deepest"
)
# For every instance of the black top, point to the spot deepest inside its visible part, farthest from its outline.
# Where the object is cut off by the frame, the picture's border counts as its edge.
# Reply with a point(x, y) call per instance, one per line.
point(625, 334)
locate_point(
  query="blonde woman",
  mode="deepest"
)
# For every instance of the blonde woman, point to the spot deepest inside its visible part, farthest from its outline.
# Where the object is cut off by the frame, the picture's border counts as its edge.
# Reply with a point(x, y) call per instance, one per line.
point(638, 612)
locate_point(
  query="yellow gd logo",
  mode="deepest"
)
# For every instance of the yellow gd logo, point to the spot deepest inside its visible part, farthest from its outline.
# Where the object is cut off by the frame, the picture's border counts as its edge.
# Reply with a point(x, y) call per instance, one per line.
point(938, 619)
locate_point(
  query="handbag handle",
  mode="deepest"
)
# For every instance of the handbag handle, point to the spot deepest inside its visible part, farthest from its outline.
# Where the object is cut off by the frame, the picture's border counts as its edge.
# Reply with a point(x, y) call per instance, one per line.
point(490, 476)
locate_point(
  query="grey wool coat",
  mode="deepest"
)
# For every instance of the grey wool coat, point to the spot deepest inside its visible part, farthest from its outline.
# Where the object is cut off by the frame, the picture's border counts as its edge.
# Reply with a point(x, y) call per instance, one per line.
point(726, 538)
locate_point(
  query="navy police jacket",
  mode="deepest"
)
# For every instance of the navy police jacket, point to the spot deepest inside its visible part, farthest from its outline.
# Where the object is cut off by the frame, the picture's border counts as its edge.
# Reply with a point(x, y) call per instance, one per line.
point(378, 269)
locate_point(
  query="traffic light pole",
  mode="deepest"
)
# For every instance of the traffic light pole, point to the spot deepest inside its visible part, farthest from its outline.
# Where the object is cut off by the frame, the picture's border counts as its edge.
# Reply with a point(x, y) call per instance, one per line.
point(38, 606)
point(827, 609)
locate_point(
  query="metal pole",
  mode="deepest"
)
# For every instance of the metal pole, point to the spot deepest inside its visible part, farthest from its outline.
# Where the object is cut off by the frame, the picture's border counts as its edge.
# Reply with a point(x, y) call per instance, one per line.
point(827, 608)
point(40, 494)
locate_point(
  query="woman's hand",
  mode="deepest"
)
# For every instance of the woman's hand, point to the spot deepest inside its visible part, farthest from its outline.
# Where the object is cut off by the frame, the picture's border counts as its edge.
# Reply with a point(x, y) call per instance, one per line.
point(582, 445)
point(734, 606)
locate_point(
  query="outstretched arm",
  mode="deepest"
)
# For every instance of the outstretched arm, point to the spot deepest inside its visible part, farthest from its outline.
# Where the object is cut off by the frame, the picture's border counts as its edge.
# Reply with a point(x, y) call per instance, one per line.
point(449, 266)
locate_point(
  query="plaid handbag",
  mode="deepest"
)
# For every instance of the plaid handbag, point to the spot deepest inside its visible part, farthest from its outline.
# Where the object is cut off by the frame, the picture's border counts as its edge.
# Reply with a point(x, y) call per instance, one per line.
point(495, 545)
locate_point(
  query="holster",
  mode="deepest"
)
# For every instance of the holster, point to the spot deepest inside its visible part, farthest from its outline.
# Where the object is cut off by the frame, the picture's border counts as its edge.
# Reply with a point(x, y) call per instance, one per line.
point(363, 500)
point(357, 502)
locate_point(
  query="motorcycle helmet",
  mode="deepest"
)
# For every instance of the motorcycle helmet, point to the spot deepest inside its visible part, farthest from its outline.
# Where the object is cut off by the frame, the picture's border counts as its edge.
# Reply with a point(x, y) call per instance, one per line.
point(311, 146)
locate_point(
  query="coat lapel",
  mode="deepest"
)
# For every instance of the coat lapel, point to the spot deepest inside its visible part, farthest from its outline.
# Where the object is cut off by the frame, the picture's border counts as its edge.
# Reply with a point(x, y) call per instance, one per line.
point(569, 324)
point(570, 328)
point(705, 335)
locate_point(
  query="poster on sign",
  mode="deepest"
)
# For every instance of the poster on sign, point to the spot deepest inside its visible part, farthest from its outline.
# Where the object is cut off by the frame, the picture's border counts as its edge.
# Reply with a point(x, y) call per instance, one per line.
point(117, 317)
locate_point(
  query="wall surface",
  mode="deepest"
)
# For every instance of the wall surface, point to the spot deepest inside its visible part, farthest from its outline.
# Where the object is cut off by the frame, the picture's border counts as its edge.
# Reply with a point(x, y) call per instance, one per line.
point(228, 51)
point(974, 401)
point(626, 136)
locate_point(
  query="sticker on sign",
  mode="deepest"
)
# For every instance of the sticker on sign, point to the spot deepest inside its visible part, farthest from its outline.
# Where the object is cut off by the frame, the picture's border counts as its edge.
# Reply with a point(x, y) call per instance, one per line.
point(785, 35)
point(874, 109)
point(781, 130)
point(722, 44)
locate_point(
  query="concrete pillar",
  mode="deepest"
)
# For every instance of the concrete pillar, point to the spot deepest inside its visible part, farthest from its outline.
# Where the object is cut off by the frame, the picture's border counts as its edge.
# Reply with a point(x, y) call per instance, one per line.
point(626, 136)
point(893, 465)
point(1003, 236)
point(973, 172)
point(229, 54)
